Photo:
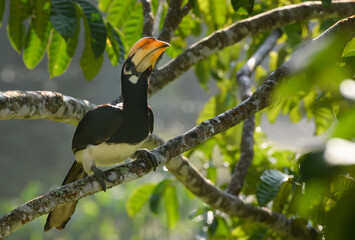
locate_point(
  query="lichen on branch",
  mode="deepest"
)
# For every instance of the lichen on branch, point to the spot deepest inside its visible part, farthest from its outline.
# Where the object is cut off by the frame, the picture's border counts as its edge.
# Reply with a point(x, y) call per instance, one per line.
point(42, 105)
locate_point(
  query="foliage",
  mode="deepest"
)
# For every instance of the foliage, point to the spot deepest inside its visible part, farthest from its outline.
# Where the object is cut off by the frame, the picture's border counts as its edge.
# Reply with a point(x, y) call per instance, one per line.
point(54, 27)
point(106, 215)
point(315, 188)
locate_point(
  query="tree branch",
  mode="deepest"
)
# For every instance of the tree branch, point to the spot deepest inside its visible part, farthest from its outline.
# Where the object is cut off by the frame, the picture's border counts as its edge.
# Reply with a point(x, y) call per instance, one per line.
point(180, 167)
point(247, 143)
point(158, 16)
point(230, 35)
point(243, 75)
point(234, 206)
point(203, 188)
point(173, 19)
point(148, 18)
point(42, 105)
point(260, 99)
point(38, 104)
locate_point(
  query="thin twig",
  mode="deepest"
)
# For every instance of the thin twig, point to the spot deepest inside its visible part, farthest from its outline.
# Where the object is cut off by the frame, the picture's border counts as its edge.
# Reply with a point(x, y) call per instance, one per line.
point(148, 18)
point(243, 75)
point(173, 19)
point(158, 17)
point(247, 142)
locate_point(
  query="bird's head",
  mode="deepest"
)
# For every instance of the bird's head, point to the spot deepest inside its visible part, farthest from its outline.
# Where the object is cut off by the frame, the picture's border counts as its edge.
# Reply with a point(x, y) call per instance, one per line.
point(142, 57)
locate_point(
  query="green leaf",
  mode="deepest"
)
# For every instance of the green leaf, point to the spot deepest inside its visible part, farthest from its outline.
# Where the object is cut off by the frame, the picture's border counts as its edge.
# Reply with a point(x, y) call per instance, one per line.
point(157, 194)
point(220, 228)
point(327, 3)
point(323, 119)
point(90, 64)
point(190, 25)
point(339, 221)
point(63, 17)
point(211, 108)
point(96, 26)
point(349, 50)
point(171, 206)
point(198, 212)
point(250, 6)
point(341, 186)
point(114, 46)
point(273, 62)
point(193, 3)
point(138, 198)
point(212, 173)
point(212, 226)
point(274, 111)
point(308, 102)
point(117, 12)
point(2, 9)
point(236, 4)
point(259, 234)
point(20, 10)
point(132, 27)
point(294, 34)
point(60, 52)
point(202, 73)
point(281, 198)
point(345, 126)
point(103, 5)
point(269, 186)
point(246, 4)
point(295, 114)
point(218, 10)
point(37, 36)
point(219, 103)
point(215, 13)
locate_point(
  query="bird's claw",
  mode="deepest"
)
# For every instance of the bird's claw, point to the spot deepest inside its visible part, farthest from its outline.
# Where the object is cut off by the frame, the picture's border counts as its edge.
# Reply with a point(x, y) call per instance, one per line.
point(148, 156)
point(101, 177)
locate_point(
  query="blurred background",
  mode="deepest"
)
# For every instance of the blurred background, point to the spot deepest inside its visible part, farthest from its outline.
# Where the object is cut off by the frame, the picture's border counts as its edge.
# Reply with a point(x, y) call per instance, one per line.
point(35, 155)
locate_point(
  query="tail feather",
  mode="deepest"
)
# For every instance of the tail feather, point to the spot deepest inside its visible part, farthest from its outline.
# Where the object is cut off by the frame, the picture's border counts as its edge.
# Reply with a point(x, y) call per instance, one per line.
point(59, 217)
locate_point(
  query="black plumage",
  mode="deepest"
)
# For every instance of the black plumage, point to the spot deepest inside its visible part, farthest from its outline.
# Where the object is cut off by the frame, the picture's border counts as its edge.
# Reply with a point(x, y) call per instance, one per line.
point(109, 134)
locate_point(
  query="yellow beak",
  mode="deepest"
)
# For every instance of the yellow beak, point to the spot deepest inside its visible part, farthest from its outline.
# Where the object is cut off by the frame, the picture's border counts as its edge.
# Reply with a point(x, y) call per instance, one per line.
point(146, 51)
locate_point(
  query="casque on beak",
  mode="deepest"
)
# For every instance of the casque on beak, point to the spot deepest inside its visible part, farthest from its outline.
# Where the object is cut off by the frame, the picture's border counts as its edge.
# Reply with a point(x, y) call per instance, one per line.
point(146, 52)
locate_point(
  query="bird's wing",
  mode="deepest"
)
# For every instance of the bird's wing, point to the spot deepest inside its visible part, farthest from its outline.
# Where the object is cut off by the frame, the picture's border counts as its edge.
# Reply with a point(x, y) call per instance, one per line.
point(98, 124)
point(151, 119)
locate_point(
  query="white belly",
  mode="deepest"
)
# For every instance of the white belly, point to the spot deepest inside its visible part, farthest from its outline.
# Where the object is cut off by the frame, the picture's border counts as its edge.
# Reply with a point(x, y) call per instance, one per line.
point(105, 154)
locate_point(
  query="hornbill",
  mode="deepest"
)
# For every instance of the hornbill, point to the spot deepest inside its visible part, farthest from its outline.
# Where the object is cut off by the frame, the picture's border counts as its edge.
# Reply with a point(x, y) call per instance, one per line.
point(109, 134)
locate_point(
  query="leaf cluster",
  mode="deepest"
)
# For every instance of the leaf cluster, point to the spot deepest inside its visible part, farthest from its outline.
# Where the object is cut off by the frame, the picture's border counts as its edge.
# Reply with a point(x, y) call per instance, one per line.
point(37, 27)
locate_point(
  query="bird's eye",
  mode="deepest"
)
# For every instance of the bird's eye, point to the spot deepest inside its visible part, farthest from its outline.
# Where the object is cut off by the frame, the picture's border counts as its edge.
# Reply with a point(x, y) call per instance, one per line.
point(127, 69)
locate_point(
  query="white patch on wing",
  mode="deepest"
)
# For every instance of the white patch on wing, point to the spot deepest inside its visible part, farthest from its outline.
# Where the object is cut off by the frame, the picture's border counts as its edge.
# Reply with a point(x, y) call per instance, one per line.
point(133, 79)
point(105, 154)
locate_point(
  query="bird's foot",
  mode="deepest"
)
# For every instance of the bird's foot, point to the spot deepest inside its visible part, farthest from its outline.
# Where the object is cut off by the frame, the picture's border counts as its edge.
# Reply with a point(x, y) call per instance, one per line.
point(148, 156)
point(101, 177)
